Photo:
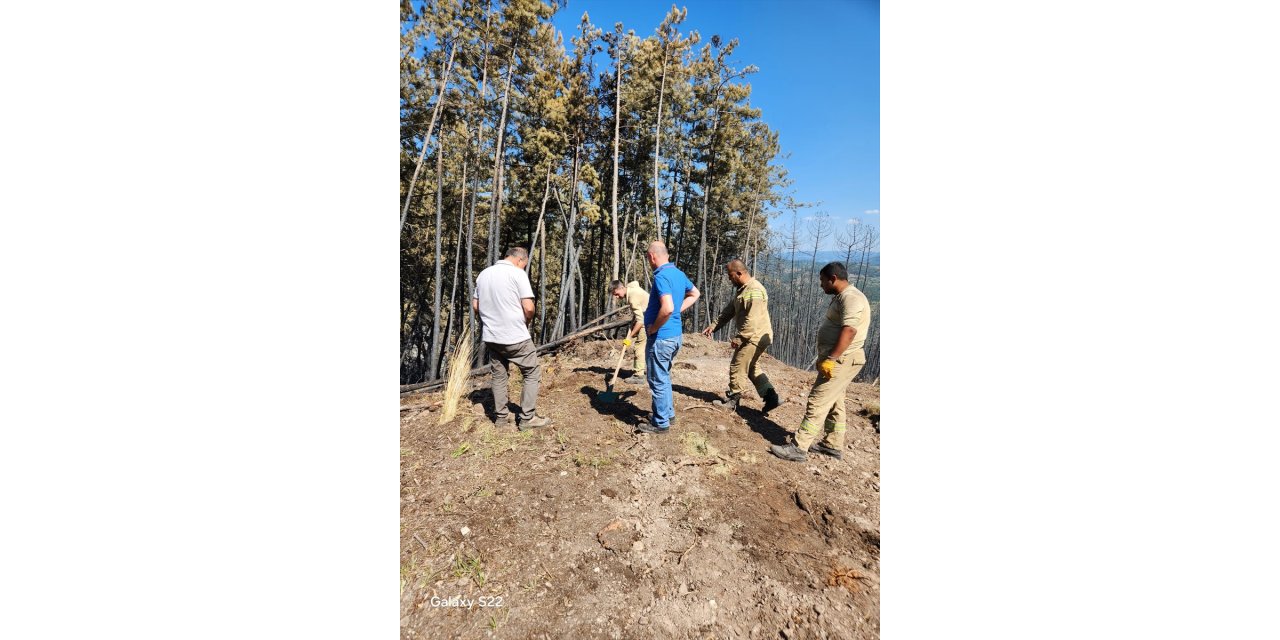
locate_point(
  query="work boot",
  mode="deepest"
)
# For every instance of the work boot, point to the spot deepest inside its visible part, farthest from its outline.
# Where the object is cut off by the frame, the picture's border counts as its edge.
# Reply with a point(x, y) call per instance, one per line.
point(819, 447)
point(636, 378)
point(731, 403)
point(771, 401)
point(503, 420)
point(644, 426)
point(789, 452)
point(534, 422)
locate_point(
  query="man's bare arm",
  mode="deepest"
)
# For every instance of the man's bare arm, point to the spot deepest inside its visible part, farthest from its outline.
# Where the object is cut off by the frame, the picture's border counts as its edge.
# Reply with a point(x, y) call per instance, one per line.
point(690, 298)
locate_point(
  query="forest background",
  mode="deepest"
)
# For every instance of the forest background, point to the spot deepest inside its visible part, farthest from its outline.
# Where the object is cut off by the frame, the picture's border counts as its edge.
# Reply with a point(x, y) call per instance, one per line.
point(583, 146)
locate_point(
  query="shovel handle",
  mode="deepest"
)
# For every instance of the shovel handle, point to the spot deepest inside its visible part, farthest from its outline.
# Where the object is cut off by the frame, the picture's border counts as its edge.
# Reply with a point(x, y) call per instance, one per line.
point(619, 367)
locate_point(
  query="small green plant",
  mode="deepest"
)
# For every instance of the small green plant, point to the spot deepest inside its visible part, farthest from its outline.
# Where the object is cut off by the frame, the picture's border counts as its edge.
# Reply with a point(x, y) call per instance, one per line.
point(494, 442)
point(469, 566)
point(419, 575)
point(494, 622)
point(462, 448)
point(697, 444)
point(562, 438)
point(595, 462)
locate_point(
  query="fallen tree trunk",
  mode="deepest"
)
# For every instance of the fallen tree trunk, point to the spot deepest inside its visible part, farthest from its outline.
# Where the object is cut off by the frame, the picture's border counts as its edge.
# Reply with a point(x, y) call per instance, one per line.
point(550, 346)
point(583, 333)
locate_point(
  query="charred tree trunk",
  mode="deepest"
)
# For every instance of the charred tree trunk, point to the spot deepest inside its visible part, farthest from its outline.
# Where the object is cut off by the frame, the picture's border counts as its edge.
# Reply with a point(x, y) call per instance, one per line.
point(617, 119)
point(426, 140)
point(435, 305)
point(495, 211)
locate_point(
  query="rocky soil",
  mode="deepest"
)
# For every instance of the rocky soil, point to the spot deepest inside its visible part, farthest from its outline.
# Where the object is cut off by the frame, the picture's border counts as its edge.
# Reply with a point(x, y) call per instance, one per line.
point(585, 530)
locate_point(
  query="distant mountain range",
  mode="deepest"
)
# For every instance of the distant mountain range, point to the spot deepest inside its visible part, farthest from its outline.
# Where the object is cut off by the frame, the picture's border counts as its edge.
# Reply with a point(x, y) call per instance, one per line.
point(831, 256)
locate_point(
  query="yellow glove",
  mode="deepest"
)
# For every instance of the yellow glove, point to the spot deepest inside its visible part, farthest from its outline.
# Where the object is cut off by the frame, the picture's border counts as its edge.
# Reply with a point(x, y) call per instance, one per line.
point(827, 368)
point(626, 342)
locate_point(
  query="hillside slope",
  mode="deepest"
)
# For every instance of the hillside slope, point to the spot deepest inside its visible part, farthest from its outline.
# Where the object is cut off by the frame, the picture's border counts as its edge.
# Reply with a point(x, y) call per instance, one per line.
point(584, 530)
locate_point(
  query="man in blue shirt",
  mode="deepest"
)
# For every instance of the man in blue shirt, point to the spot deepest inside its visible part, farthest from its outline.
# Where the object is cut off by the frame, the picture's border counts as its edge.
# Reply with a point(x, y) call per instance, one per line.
point(666, 334)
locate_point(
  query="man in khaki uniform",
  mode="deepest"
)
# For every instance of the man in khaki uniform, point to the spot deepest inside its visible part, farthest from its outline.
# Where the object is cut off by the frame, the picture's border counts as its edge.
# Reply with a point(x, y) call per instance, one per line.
point(840, 358)
point(749, 310)
point(638, 300)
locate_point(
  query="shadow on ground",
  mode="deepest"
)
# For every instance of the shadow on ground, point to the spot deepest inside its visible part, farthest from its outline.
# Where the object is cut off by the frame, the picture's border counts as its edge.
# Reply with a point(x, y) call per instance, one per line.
point(705, 396)
point(621, 408)
point(763, 425)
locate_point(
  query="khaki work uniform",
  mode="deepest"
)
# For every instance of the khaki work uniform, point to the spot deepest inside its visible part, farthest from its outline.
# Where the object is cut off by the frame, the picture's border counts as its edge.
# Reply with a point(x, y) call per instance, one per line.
point(749, 310)
point(849, 308)
point(638, 300)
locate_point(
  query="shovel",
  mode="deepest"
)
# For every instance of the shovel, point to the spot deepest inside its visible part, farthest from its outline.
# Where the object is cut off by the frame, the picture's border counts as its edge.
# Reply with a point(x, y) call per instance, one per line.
point(608, 395)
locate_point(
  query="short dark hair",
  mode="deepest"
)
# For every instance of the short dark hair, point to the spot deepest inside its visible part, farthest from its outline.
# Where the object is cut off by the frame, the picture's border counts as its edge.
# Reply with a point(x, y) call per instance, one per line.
point(518, 253)
point(616, 284)
point(835, 270)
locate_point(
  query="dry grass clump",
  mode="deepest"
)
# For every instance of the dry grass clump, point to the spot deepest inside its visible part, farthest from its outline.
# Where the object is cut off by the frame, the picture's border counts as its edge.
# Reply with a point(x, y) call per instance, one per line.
point(871, 408)
point(459, 367)
point(697, 445)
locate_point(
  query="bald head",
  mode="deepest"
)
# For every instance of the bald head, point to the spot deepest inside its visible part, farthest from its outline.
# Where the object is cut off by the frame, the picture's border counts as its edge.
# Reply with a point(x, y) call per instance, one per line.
point(737, 272)
point(657, 254)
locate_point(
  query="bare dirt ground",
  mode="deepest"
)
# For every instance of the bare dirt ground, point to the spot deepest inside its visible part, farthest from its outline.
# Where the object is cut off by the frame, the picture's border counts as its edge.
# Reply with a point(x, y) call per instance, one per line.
point(584, 530)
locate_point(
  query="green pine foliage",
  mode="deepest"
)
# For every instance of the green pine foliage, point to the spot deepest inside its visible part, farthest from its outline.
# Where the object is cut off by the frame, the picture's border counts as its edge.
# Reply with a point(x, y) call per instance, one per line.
point(518, 149)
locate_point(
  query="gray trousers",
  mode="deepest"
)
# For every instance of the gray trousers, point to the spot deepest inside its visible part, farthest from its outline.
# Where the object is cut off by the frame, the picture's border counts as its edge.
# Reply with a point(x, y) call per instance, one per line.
point(522, 355)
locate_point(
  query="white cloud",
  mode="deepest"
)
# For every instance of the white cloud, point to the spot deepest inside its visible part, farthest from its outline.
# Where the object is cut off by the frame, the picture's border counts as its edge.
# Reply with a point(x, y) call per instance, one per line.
point(854, 221)
point(872, 212)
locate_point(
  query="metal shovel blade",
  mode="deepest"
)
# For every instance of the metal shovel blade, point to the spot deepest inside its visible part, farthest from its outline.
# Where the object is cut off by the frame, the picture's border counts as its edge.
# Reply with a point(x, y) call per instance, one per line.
point(608, 396)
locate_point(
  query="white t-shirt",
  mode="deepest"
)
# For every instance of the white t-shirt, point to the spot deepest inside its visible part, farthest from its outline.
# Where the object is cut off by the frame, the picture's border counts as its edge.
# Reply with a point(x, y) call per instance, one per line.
point(500, 289)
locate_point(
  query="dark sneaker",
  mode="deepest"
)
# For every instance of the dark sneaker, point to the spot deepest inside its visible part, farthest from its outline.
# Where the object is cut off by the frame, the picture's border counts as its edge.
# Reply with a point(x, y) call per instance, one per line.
point(644, 426)
point(534, 423)
point(827, 451)
point(771, 401)
point(649, 419)
point(730, 403)
point(789, 452)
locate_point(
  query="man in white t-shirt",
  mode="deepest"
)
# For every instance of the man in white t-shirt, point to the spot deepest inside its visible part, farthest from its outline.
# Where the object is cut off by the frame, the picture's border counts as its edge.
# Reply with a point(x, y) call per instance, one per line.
point(504, 300)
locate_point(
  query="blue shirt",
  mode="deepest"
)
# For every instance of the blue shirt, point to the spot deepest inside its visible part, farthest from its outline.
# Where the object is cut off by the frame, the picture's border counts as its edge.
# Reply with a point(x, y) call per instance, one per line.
point(667, 280)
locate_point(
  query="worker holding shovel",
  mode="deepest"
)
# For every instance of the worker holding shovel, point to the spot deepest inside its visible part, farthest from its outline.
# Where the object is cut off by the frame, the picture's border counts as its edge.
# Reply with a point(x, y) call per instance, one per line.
point(638, 300)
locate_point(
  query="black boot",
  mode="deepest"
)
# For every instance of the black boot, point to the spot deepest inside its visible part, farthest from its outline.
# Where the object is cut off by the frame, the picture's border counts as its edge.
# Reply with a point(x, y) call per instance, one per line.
point(731, 403)
point(771, 401)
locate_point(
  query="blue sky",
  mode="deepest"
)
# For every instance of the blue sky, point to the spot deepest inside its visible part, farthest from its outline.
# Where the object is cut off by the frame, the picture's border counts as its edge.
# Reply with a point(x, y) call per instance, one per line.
point(818, 84)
